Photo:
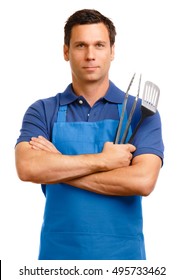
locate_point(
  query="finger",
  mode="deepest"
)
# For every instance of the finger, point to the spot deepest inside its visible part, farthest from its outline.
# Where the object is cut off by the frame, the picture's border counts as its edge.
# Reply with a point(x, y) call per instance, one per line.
point(131, 147)
point(43, 144)
point(46, 142)
point(41, 141)
point(39, 146)
point(35, 148)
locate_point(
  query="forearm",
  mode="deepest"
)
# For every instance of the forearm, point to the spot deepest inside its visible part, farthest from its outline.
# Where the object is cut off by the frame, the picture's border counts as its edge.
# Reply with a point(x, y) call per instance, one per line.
point(44, 167)
point(114, 182)
point(136, 179)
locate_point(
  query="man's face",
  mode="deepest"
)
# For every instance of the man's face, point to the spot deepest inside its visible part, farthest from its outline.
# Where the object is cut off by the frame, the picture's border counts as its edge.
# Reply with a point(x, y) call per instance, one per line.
point(89, 52)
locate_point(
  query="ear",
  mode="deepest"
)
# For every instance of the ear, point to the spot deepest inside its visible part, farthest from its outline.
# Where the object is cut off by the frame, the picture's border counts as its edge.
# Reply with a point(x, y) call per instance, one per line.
point(66, 52)
point(112, 52)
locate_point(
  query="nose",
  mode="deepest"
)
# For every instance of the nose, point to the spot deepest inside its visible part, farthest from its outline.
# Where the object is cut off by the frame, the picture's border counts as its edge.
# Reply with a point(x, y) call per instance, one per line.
point(90, 55)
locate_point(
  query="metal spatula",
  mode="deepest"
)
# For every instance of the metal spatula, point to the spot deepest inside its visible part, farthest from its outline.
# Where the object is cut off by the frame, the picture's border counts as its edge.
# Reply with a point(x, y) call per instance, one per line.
point(149, 105)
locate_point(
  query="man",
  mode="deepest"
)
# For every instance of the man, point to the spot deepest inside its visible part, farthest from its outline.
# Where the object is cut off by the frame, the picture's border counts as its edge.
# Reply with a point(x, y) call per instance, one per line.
point(93, 188)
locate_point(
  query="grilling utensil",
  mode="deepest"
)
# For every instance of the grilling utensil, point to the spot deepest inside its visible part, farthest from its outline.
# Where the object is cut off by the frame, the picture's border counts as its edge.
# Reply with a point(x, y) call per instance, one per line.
point(131, 114)
point(116, 141)
point(149, 104)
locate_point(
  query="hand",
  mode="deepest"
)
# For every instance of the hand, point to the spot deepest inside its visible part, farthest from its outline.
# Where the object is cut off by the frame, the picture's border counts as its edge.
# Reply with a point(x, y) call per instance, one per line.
point(42, 144)
point(117, 155)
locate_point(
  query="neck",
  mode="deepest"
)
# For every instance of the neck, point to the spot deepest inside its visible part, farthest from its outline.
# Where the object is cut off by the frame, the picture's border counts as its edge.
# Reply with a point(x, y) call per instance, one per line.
point(91, 91)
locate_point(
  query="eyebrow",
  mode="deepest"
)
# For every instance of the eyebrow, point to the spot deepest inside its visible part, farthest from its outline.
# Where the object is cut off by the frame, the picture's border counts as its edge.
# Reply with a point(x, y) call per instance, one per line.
point(85, 43)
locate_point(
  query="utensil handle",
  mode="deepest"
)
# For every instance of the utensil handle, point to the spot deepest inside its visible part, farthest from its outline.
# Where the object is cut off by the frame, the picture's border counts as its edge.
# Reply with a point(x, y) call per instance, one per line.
point(129, 121)
point(145, 113)
point(136, 129)
point(116, 141)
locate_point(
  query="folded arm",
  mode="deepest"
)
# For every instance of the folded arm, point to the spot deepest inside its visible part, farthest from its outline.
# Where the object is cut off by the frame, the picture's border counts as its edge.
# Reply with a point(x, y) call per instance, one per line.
point(139, 178)
point(111, 172)
point(40, 162)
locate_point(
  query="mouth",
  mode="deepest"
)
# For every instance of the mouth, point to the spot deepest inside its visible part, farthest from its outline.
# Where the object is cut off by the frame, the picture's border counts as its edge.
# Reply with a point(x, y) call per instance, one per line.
point(90, 68)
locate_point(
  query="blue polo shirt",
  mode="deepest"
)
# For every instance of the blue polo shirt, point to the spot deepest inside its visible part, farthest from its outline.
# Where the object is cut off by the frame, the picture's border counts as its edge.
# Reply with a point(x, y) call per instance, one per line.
point(41, 115)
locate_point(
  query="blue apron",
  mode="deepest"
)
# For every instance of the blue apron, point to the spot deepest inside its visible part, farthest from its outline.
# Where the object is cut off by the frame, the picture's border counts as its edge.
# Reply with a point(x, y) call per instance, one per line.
point(82, 225)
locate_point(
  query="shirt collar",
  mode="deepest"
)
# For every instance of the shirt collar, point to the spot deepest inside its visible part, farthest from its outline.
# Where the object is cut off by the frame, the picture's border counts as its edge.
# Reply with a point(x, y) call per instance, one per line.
point(113, 95)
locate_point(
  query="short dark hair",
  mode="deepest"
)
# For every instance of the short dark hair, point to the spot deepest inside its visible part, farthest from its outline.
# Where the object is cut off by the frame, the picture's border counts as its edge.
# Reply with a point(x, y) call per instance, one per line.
point(88, 16)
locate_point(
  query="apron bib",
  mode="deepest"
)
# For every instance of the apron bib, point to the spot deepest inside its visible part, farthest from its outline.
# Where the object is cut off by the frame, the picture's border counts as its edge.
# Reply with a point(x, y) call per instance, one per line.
point(81, 225)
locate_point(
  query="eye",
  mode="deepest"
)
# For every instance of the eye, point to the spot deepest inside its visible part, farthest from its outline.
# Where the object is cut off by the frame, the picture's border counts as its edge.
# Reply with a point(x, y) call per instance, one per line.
point(80, 45)
point(100, 45)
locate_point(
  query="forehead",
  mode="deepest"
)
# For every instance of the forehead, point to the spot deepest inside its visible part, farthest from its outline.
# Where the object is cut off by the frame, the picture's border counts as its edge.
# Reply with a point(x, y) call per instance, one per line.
point(86, 32)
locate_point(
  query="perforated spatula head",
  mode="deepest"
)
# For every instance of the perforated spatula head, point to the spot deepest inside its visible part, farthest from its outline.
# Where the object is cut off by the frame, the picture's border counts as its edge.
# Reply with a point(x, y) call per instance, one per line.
point(150, 97)
point(149, 104)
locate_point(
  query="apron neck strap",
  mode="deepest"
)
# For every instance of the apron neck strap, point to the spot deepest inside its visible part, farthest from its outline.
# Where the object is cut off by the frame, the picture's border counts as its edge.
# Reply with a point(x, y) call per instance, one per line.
point(62, 113)
point(120, 108)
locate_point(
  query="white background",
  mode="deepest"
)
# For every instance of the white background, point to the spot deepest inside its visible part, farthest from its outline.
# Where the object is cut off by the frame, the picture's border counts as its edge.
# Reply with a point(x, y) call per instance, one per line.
point(32, 67)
